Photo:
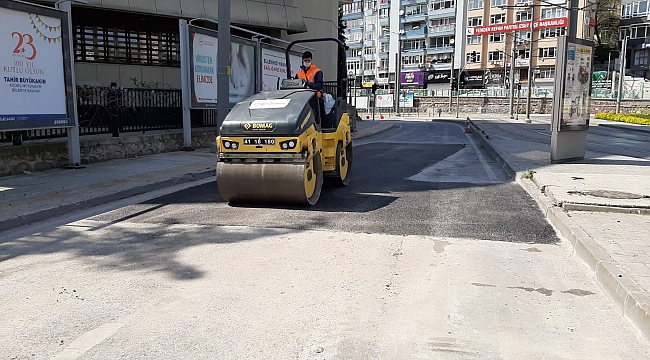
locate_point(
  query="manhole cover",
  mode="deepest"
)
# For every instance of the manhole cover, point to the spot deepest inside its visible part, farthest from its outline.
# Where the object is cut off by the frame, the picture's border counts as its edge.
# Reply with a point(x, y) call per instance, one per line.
point(608, 194)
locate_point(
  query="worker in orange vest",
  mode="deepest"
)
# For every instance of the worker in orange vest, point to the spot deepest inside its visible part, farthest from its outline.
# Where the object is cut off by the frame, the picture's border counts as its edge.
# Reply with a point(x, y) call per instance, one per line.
point(311, 74)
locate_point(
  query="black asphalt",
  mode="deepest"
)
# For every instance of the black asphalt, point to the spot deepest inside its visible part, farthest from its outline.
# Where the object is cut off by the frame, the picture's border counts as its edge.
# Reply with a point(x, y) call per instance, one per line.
point(380, 198)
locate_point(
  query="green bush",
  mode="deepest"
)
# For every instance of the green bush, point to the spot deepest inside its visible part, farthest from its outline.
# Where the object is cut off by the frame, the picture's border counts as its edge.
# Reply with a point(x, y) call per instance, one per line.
point(631, 119)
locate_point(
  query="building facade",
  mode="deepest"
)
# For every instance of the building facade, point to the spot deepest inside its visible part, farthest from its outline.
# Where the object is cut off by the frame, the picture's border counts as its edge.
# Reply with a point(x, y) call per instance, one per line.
point(479, 37)
point(136, 43)
point(635, 24)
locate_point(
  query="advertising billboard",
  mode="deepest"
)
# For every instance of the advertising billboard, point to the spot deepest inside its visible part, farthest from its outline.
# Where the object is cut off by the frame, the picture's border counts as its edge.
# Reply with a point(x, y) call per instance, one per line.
point(385, 101)
point(412, 78)
point(203, 68)
point(573, 83)
point(406, 100)
point(274, 68)
point(36, 80)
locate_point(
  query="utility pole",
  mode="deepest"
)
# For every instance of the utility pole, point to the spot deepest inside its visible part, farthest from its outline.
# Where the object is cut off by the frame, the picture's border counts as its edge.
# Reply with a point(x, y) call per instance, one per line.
point(363, 40)
point(621, 75)
point(451, 80)
point(530, 60)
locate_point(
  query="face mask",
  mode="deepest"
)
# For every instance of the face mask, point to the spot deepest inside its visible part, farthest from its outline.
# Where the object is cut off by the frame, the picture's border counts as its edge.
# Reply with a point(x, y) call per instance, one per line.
point(306, 64)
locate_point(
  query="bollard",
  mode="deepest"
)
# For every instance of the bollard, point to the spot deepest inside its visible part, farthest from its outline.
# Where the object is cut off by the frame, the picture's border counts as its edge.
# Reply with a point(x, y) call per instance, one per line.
point(467, 127)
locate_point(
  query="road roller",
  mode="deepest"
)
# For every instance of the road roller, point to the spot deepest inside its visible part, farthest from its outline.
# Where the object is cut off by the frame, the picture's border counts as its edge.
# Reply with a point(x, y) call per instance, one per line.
point(280, 146)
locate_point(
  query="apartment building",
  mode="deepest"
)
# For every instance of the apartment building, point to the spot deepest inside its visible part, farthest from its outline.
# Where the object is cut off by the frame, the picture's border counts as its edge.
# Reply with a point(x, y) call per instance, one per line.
point(481, 37)
point(635, 24)
point(422, 31)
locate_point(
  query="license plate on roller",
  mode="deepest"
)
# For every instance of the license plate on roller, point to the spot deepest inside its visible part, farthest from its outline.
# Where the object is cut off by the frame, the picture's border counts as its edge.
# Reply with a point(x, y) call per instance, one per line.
point(259, 141)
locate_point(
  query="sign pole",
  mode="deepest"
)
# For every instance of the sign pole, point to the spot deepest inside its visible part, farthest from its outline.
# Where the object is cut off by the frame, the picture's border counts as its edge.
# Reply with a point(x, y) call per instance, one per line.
point(512, 73)
point(74, 148)
point(185, 84)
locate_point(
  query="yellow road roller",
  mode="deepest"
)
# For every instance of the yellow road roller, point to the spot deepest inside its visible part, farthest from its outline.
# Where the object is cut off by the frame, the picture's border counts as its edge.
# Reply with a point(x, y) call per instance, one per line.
point(278, 146)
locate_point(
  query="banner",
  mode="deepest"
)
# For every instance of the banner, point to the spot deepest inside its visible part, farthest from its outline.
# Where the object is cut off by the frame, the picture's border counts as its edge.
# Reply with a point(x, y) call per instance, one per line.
point(415, 78)
point(406, 100)
point(274, 68)
point(204, 62)
point(519, 26)
point(33, 90)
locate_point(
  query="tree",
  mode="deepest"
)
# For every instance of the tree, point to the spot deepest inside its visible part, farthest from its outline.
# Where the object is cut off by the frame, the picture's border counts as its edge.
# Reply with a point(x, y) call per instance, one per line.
point(606, 13)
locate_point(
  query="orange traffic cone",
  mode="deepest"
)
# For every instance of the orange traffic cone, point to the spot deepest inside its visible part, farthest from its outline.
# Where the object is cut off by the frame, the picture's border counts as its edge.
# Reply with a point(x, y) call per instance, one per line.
point(468, 130)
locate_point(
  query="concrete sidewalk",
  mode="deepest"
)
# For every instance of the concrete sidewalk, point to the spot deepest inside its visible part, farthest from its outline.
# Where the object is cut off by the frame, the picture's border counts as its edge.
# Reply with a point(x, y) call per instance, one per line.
point(37, 196)
point(601, 205)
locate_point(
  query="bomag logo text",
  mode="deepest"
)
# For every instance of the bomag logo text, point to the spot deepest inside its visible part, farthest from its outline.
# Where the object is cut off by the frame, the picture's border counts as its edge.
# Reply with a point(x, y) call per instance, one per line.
point(258, 126)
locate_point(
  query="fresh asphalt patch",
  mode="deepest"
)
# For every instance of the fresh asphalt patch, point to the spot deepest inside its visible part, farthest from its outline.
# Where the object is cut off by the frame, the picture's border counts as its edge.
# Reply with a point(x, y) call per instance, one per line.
point(389, 194)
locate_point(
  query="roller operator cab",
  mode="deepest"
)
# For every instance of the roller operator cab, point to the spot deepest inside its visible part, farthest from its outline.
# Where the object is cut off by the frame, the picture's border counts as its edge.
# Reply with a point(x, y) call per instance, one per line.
point(278, 146)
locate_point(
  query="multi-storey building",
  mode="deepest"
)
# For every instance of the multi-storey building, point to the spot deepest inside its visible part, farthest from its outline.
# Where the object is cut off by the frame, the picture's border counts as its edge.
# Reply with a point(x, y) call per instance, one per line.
point(635, 24)
point(481, 37)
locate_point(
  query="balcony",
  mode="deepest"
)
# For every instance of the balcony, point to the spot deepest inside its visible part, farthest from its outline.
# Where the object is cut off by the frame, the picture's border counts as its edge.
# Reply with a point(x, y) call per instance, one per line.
point(440, 50)
point(354, 44)
point(384, 4)
point(369, 43)
point(442, 30)
point(384, 39)
point(352, 16)
point(384, 55)
point(369, 72)
point(442, 13)
point(414, 18)
point(414, 34)
point(370, 57)
point(412, 51)
point(443, 66)
point(413, 2)
point(384, 21)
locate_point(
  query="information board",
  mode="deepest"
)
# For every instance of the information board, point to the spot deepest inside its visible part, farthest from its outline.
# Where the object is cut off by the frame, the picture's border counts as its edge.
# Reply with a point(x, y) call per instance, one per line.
point(36, 79)
point(575, 77)
point(274, 68)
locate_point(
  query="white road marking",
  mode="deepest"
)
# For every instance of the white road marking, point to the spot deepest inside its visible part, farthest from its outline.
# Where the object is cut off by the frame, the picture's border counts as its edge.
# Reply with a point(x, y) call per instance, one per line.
point(87, 341)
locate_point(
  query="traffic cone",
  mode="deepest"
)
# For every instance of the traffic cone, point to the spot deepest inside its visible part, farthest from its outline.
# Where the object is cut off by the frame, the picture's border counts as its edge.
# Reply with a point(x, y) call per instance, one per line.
point(468, 130)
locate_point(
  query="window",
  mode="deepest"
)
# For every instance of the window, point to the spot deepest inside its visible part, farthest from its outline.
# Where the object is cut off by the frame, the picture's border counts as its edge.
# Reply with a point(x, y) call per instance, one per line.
point(522, 35)
point(370, 5)
point(413, 44)
point(370, 36)
point(495, 56)
point(624, 32)
point(523, 2)
point(350, 53)
point(497, 19)
point(523, 16)
point(496, 3)
point(126, 45)
point(384, 13)
point(442, 41)
point(497, 37)
point(551, 33)
point(412, 60)
point(546, 73)
point(641, 58)
point(523, 54)
point(354, 23)
point(634, 9)
point(639, 32)
point(547, 53)
point(443, 22)
point(442, 4)
point(474, 39)
point(552, 13)
point(385, 30)
point(369, 65)
point(474, 59)
point(383, 64)
point(475, 4)
point(384, 47)
point(350, 8)
point(415, 10)
point(355, 36)
point(354, 65)
point(475, 21)
point(369, 50)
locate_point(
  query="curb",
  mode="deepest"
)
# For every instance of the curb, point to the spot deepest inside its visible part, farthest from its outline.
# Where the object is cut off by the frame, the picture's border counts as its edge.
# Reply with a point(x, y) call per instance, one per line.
point(628, 296)
point(88, 203)
point(372, 133)
point(640, 128)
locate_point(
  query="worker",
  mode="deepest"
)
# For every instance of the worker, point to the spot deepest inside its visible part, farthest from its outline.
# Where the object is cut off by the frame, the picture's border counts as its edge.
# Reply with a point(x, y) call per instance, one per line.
point(311, 74)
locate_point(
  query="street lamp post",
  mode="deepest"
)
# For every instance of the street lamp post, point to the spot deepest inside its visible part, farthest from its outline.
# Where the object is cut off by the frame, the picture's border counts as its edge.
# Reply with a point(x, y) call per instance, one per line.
point(451, 75)
point(621, 75)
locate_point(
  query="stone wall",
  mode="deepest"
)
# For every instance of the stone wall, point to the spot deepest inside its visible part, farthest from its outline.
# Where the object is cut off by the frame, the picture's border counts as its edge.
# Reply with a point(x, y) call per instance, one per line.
point(44, 156)
point(484, 105)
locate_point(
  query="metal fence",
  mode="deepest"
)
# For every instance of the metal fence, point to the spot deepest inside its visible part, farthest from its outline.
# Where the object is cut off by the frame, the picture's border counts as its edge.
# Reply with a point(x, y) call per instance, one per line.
point(105, 110)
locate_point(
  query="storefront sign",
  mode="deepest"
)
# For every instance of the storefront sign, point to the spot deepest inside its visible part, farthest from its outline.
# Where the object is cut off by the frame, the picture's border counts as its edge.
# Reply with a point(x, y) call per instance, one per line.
point(437, 77)
point(35, 88)
point(412, 78)
point(474, 79)
point(519, 26)
point(203, 68)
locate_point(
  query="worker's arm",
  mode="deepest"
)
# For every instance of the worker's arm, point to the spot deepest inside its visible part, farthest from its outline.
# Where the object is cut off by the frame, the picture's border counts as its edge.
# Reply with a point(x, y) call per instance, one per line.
point(318, 82)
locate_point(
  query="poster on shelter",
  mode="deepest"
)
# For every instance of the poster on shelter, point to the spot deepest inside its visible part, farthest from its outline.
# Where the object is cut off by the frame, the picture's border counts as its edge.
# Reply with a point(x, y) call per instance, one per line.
point(33, 81)
point(577, 89)
point(274, 68)
point(204, 65)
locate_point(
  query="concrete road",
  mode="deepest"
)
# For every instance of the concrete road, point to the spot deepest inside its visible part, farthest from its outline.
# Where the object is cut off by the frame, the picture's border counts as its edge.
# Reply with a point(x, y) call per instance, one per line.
point(430, 253)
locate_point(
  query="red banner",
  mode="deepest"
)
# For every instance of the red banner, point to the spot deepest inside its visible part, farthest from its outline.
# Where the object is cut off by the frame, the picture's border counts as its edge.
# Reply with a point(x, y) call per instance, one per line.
point(520, 26)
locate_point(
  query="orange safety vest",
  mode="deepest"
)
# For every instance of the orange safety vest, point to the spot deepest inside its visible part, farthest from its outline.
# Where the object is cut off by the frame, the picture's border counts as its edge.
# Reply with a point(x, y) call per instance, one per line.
point(310, 75)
